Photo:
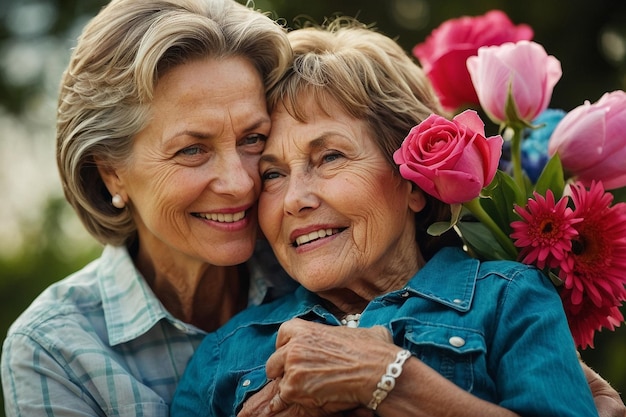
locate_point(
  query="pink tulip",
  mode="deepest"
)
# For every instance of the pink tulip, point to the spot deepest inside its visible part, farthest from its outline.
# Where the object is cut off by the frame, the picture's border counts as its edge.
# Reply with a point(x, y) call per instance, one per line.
point(446, 49)
point(524, 69)
point(450, 159)
point(591, 141)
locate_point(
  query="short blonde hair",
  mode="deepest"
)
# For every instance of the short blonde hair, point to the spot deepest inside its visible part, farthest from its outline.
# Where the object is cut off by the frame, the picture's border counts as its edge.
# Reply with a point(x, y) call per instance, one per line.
point(371, 78)
point(107, 89)
point(367, 73)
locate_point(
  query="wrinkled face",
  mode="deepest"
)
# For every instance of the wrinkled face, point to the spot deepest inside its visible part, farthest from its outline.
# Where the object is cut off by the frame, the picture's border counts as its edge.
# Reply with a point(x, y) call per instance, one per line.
point(331, 207)
point(192, 179)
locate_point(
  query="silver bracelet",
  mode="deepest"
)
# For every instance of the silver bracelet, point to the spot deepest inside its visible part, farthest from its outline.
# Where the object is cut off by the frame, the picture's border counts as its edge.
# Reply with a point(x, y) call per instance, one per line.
point(388, 380)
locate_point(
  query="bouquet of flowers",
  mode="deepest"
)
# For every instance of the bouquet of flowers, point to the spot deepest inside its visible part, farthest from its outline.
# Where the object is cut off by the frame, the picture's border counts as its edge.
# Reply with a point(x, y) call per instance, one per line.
point(550, 189)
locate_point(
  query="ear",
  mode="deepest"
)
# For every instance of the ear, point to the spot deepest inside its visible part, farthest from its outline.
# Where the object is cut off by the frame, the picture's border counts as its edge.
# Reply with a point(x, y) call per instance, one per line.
point(417, 199)
point(111, 179)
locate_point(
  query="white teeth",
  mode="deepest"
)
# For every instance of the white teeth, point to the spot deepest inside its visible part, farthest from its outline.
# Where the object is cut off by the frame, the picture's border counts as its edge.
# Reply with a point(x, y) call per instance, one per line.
point(224, 217)
point(301, 240)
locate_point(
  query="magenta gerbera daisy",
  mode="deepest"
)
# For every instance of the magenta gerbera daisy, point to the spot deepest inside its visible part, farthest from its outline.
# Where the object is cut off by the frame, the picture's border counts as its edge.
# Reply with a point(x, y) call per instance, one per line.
point(595, 266)
point(545, 232)
point(586, 318)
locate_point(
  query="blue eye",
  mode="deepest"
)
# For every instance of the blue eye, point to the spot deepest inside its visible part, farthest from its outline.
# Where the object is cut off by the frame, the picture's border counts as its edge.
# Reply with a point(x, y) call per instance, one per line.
point(252, 144)
point(190, 151)
point(270, 175)
point(330, 157)
point(253, 140)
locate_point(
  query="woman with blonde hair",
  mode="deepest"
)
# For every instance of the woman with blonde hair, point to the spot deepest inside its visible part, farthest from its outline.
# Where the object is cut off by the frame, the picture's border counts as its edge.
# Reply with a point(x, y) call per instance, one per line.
point(162, 118)
point(389, 321)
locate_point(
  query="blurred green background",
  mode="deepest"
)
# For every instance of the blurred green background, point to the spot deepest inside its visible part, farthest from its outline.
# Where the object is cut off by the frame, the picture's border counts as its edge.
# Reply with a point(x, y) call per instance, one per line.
point(40, 239)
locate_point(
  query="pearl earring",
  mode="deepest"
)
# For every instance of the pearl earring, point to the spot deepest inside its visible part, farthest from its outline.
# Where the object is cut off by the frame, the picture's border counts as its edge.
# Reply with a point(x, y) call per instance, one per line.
point(118, 202)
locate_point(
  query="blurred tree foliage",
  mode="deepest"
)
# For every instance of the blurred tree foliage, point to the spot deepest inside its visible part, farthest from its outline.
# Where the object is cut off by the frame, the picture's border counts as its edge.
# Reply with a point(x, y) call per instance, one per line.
point(589, 38)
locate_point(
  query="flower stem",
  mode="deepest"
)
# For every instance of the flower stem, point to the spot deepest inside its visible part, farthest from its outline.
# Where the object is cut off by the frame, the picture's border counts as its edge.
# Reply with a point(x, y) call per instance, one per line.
point(481, 215)
point(516, 156)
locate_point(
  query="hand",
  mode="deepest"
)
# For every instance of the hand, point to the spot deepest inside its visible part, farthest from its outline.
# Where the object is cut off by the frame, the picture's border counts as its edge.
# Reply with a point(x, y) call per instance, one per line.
point(258, 404)
point(607, 399)
point(326, 367)
point(267, 402)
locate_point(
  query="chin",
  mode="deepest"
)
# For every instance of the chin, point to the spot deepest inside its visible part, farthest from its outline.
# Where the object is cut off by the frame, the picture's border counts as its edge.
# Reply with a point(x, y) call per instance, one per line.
point(230, 254)
point(316, 282)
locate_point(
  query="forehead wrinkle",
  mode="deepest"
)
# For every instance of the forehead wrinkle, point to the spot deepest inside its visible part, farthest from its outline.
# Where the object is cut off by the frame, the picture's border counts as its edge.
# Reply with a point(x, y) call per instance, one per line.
point(210, 134)
point(315, 144)
point(191, 133)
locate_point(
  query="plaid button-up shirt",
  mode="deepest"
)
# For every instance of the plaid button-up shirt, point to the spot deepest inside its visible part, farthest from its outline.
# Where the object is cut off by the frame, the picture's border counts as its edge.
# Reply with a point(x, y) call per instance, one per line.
point(99, 343)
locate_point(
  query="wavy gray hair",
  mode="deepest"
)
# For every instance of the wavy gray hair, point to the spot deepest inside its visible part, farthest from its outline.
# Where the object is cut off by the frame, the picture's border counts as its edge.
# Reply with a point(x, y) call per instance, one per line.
point(107, 89)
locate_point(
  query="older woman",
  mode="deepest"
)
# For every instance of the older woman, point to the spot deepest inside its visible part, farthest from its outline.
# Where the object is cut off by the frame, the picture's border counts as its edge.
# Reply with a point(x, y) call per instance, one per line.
point(162, 118)
point(458, 337)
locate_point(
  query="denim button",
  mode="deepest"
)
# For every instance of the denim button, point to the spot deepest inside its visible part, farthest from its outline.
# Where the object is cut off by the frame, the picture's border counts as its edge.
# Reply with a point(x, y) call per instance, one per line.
point(246, 383)
point(456, 341)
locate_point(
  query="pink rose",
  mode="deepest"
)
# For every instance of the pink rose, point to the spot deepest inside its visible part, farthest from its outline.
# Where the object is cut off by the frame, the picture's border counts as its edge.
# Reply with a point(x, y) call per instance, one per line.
point(450, 159)
point(524, 69)
point(445, 51)
point(591, 141)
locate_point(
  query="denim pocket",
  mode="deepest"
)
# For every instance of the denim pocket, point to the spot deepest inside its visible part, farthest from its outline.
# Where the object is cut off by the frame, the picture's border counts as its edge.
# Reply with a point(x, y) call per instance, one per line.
point(454, 352)
point(248, 382)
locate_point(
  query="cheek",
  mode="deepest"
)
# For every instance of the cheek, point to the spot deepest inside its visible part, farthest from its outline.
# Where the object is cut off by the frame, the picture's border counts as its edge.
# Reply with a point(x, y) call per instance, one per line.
point(270, 209)
point(385, 204)
point(251, 164)
point(165, 190)
point(365, 199)
point(376, 191)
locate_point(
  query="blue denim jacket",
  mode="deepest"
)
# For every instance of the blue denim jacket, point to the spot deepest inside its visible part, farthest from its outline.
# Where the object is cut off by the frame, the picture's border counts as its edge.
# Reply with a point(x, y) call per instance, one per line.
point(496, 329)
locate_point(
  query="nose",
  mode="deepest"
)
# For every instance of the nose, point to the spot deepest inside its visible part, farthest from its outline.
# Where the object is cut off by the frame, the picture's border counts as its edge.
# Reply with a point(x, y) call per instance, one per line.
point(301, 195)
point(235, 176)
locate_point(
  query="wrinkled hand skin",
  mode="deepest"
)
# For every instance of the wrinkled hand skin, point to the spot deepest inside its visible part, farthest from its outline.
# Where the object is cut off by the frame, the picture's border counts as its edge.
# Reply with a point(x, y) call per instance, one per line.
point(340, 373)
point(338, 363)
point(259, 405)
point(607, 399)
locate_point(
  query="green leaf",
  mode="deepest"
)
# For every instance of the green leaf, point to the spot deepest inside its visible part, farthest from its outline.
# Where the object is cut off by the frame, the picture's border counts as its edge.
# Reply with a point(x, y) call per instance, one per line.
point(558, 282)
point(439, 228)
point(480, 241)
point(551, 178)
point(510, 108)
point(511, 113)
point(498, 199)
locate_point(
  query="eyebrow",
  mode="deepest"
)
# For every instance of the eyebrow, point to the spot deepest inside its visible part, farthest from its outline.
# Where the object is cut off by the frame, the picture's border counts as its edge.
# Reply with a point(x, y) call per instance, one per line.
point(315, 144)
point(192, 133)
point(209, 135)
point(319, 142)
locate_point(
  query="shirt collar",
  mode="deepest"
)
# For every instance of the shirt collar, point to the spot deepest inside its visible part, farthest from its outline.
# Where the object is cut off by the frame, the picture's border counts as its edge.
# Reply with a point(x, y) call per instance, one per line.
point(449, 278)
point(436, 281)
point(130, 307)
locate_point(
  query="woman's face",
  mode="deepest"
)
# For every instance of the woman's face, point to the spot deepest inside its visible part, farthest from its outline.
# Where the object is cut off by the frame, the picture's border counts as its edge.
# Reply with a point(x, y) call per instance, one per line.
point(331, 207)
point(192, 178)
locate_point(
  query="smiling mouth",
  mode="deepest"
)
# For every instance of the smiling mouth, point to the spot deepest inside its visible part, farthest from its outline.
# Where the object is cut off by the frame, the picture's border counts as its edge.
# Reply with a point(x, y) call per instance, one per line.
point(316, 235)
point(221, 217)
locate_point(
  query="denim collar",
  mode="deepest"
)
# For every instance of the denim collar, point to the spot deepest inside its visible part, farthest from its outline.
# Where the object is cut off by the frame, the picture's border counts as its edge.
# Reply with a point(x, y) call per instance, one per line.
point(433, 281)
